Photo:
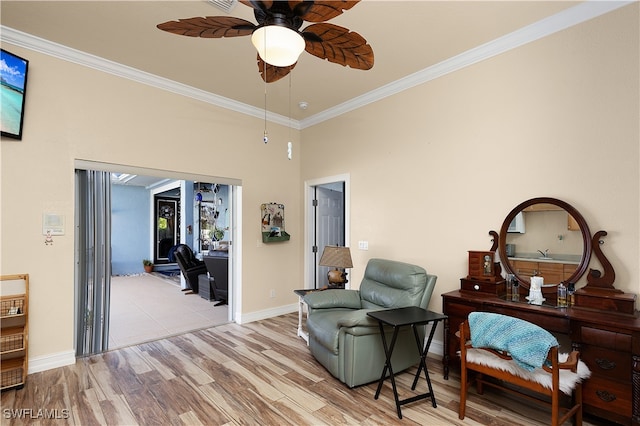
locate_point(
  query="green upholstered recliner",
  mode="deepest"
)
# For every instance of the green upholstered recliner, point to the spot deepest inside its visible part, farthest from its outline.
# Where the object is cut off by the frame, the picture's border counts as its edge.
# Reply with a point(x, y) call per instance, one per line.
point(346, 341)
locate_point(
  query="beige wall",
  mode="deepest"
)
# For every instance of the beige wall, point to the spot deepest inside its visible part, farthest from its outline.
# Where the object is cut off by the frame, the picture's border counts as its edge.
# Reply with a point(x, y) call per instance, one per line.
point(435, 168)
point(74, 112)
point(432, 169)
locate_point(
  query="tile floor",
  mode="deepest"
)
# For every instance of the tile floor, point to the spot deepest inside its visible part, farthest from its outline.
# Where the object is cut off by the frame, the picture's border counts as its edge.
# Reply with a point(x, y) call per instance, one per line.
point(148, 307)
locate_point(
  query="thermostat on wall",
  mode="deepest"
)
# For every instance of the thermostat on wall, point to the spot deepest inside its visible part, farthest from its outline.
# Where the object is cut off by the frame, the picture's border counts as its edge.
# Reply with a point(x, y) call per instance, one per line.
point(52, 224)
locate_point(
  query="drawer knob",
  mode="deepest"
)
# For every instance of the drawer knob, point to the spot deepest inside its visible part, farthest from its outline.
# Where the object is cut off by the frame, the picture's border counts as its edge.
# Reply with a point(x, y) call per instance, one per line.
point(605, 395)
point(605, 364)
point(476, 287)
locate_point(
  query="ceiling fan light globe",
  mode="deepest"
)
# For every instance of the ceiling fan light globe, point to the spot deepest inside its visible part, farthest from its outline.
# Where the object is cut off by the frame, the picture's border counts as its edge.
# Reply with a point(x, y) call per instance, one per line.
point(278, 46)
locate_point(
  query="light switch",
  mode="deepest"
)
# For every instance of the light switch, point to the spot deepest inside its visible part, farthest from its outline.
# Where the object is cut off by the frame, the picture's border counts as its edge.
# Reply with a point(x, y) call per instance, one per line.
point(363, 245)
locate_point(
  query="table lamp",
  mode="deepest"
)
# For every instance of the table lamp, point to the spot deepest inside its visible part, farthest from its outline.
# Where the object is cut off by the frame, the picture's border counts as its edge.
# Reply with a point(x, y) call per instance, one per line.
point(336, 257)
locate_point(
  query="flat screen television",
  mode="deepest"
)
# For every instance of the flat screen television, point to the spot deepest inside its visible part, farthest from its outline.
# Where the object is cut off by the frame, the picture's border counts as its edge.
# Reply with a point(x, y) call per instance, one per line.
point(13, 75)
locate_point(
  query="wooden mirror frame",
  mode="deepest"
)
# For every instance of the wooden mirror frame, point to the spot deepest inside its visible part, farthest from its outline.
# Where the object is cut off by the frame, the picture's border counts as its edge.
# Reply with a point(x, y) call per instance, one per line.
point(584, 229)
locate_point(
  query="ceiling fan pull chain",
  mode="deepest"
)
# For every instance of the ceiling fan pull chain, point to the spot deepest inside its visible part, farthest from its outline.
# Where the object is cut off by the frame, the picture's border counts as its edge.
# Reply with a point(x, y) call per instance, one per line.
point(289, 144)
point(265, 136)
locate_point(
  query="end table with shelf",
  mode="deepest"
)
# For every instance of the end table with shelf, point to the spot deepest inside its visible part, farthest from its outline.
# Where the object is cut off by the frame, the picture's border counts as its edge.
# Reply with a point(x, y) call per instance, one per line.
point(301, 293)
point(301, 304)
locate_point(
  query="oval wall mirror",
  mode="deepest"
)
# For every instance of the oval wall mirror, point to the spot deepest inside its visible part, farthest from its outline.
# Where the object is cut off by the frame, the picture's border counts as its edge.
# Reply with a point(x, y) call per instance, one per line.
point(546, 237)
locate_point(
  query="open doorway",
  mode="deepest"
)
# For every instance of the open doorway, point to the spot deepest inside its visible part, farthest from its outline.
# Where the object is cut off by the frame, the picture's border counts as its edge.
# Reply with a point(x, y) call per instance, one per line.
point(326, 223)
point(165, 302)
point(141, 220)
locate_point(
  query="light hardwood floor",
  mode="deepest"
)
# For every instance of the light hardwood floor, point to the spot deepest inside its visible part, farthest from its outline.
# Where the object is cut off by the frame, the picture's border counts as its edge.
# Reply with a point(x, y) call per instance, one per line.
point(259, 373)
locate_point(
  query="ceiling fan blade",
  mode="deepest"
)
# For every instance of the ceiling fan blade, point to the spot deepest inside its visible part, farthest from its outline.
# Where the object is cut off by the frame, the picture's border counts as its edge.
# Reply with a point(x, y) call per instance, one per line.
point(270, 73)
point(209, 27)
point(320, 11)
point(258, 4)
point(338, 45)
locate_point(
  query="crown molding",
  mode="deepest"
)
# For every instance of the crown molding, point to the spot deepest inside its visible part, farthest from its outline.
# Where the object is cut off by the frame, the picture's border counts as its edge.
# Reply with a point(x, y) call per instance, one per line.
point(569, 17)
point(37, 44)
point(573, 16)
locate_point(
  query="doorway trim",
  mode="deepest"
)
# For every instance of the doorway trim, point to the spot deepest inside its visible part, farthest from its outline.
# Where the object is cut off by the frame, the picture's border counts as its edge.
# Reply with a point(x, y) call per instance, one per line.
point(309, 222)
point(235, 185)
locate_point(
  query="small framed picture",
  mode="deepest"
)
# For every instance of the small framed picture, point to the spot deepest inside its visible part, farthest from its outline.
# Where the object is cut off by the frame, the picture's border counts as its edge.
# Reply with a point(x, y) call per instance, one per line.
point(487, 265)
point(481, 264)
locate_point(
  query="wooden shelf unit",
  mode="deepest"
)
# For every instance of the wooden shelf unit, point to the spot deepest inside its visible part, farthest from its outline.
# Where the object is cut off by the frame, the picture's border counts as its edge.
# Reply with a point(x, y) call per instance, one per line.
point(14, 329)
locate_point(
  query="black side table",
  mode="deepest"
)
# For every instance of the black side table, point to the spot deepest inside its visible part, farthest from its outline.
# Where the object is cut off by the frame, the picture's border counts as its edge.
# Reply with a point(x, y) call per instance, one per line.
point(397, 318)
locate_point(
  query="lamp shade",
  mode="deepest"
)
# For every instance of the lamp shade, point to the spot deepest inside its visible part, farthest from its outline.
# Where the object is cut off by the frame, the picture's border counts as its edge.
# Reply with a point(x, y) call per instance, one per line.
point(337, 257)
point(277, 45)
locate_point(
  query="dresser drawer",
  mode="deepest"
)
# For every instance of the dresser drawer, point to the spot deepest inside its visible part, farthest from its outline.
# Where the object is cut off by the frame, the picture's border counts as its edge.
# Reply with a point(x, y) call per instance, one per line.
point(608, 395)
point(548, 322)
point(458, 310)
point(606, 339)
point(606, 362)
point(496, 288)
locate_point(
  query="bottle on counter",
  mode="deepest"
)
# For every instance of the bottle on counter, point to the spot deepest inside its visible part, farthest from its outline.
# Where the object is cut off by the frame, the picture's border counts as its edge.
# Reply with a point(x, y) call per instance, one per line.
point(508, 284)
point(571, 298)
point(515, 290)
point(562, 295)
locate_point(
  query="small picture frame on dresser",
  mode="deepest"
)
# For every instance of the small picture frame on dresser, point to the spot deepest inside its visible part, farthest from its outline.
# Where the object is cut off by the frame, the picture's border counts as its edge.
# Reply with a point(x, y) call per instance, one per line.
point(481, 265)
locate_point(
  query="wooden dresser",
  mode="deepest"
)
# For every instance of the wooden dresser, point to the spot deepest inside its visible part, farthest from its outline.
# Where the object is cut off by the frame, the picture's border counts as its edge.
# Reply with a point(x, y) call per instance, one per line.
point(609, 343)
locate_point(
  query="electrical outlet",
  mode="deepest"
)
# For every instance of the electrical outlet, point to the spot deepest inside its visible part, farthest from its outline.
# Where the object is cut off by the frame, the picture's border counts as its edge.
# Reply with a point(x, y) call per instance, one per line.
point(272, 293)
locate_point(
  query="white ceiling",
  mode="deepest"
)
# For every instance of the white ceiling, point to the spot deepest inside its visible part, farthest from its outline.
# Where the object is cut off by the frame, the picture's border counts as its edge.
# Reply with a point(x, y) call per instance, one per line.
point(408, 38)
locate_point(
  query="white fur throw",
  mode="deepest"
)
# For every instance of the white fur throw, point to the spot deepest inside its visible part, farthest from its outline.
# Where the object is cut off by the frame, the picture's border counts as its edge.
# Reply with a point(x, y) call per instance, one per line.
point(568, 380)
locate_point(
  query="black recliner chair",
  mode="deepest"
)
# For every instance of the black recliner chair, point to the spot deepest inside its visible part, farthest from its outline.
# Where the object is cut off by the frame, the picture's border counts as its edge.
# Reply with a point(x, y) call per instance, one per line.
point(218, 268)
point(190, 266)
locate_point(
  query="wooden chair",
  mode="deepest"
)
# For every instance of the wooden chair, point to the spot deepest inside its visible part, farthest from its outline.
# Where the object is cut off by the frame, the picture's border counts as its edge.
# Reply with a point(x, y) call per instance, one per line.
point(500, 360)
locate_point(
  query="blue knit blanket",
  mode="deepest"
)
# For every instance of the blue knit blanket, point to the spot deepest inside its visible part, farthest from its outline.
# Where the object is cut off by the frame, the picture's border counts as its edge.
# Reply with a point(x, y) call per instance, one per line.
point(527, 343)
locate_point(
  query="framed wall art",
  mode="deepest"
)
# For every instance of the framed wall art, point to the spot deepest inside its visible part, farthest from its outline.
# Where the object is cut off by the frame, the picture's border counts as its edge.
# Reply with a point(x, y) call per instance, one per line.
point(272, 223)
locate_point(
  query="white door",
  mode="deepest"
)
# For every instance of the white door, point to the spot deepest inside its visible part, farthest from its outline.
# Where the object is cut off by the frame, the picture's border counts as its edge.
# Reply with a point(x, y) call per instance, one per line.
point(329, 224)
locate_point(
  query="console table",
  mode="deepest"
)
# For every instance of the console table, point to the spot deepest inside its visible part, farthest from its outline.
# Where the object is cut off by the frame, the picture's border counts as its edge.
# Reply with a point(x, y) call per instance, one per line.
point(609, 343)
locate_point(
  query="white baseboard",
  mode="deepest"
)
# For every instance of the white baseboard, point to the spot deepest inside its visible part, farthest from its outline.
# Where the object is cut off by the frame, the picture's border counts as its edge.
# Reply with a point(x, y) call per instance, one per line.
point(437, 347)
point(49, 362)
point(265, 314)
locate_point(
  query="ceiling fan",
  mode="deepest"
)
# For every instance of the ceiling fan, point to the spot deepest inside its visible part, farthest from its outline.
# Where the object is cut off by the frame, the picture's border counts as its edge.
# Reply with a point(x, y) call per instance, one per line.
point(278, 19)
